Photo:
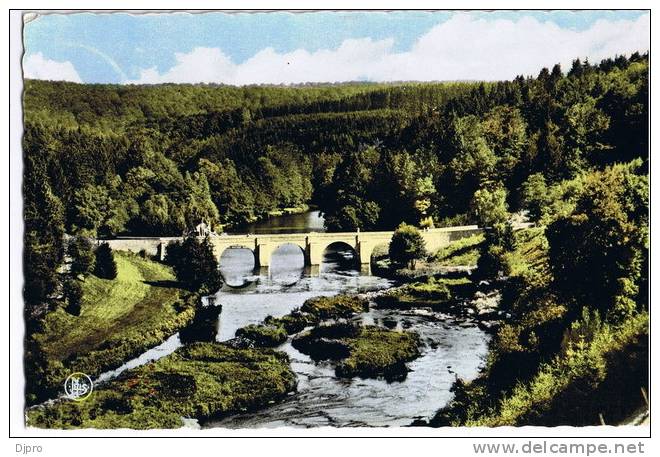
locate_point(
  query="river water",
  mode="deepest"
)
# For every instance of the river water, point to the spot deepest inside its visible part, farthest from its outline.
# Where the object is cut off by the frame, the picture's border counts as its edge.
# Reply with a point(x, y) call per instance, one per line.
point(452, 347)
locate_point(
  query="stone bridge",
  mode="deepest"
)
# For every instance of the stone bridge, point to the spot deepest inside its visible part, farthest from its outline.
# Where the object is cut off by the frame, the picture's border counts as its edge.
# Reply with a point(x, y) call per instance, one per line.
point(313, 245)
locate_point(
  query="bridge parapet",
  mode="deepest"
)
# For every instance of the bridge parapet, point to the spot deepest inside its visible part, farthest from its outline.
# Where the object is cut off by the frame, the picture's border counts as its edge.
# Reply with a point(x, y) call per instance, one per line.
point(313, 244)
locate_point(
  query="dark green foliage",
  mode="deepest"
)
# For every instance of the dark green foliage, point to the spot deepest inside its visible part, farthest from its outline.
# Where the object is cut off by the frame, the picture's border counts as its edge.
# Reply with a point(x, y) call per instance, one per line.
point(407, 246)
point(73, 294)
point(293, 322)
point(156, 160)
point(348, 201)
point(82, 255)
point(368, 352)
point(44, 228)
point(338, 306)
point(153, 160)
point(195, 264)
point(265, 335)
point(603, 241)
point(105, 266)
point(499, 242)
point(535, 196)
point(204, 326)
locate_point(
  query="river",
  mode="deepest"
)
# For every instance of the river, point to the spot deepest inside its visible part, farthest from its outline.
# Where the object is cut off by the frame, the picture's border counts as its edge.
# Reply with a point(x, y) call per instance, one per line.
point(452, 347)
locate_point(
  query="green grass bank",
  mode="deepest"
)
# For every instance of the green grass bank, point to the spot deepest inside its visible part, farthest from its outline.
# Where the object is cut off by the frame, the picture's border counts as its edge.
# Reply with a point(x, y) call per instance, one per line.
point(201, 380)
point(119, 319)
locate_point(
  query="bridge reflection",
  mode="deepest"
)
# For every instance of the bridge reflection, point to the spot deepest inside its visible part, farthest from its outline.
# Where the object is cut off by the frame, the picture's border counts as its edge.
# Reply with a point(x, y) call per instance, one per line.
point(287, 267)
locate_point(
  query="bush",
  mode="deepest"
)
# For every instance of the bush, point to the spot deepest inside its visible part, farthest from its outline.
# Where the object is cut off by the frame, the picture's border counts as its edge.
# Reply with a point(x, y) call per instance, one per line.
point(105, 266)
point(535, 196)
point(82, 255)
point(73, 294)
point(489, 206)
point(203, 326)
point(563, 389)
point(194, 264)
point(596, 253)
point(407, 246)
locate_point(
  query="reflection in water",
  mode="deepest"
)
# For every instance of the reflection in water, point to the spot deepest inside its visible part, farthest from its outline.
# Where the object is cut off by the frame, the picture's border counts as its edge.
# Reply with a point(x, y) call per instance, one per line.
point(340, 256)
point(287, 264)
point(237, 266)
point(452, 347)
point(282, 287)
point(311, 221)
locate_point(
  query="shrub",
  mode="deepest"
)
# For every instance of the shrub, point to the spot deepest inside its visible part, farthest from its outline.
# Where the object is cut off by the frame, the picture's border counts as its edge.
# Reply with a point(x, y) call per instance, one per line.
point(194, 264)
point(535, 196)
point(73, 294)
point(105, 266)
point(489, 206)
point(596, 253)
point(407, 246)
point(82, 255)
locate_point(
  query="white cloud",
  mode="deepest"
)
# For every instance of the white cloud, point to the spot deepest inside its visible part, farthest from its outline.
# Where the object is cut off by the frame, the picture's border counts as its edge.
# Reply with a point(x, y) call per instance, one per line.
point(460, 48)
point(201, 65)
point(36, 66)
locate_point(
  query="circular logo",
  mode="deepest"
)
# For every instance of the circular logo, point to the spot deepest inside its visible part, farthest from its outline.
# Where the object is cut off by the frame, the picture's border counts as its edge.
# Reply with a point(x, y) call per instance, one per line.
point(78, 386)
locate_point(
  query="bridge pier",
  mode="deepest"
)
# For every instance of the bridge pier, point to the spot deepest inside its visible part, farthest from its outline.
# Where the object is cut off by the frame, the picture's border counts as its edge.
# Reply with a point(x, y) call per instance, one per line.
point(262, 254)
point(314, 254)
point(161, 251)
point(312, 270)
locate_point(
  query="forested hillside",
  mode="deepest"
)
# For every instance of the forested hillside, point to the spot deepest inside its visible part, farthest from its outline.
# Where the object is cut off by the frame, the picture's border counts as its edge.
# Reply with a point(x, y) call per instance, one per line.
point(154, 160)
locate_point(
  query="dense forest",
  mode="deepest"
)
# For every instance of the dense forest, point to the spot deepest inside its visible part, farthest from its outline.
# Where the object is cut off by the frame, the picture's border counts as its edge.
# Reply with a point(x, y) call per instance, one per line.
point(106, 160)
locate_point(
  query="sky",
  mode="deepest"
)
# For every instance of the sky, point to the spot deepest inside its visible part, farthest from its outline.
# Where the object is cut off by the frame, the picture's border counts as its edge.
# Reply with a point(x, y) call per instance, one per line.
point(288, 48)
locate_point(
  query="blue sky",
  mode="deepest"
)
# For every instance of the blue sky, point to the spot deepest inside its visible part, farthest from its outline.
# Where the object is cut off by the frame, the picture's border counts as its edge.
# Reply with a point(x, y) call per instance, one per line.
point(242, 48)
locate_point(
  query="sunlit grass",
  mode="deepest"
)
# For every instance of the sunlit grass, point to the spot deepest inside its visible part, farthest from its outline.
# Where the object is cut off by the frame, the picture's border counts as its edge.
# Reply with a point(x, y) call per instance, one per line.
point(463, 252)
point(139, 308)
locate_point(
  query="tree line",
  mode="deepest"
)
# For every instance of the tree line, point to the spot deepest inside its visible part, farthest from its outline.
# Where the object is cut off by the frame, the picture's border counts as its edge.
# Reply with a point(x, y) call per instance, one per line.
point(104, 160)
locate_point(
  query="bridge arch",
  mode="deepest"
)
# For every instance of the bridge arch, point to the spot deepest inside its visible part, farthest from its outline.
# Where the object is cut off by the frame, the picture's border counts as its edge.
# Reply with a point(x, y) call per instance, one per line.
point(236, 263)
point(342, 253)
point(289, 250)
point(219, 249)
point(266, 249)
point(287, 263)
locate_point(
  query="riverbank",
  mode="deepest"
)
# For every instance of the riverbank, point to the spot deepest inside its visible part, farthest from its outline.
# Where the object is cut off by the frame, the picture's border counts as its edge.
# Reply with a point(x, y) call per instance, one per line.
point(118, 320)
point(457, 259)
point(200, 381)
point(381, 353)
point(547, 366)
